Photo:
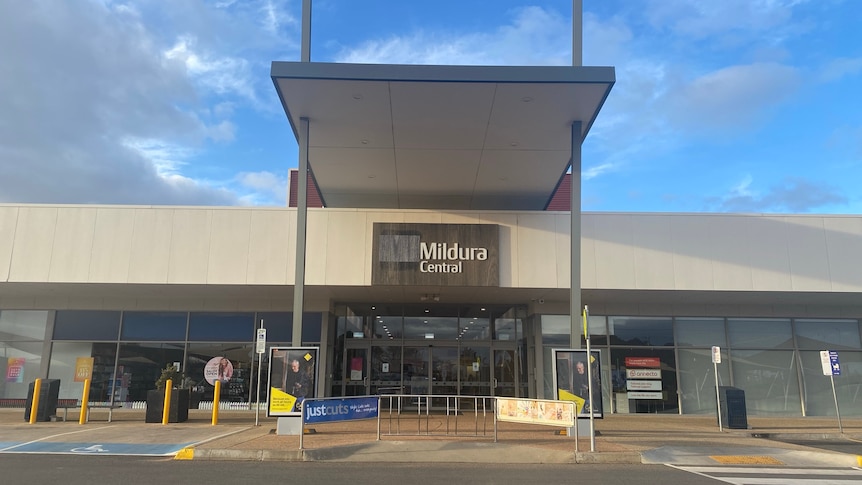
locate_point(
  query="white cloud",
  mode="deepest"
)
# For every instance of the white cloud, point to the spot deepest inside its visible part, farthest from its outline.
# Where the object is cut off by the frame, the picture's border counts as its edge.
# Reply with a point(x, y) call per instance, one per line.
point(534, 37)
point(117, 103)
point(838, 69)
point(268, 188)
point(792, 195)
point(733, 98)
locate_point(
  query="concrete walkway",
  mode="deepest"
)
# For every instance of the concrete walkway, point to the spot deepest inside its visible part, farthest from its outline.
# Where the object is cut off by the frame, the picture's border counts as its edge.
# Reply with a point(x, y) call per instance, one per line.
point(673, 439)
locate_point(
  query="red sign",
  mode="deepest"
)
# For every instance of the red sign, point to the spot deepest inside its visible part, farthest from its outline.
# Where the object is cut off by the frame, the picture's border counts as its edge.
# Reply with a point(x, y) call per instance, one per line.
point(644, 362)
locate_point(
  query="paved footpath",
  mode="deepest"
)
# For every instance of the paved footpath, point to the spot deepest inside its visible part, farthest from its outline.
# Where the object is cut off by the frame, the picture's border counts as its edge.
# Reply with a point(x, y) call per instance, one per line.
point(672, 439)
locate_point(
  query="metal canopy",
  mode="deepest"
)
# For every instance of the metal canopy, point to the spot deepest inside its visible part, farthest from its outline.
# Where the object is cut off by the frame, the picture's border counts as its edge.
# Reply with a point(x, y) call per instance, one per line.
point(439, 137)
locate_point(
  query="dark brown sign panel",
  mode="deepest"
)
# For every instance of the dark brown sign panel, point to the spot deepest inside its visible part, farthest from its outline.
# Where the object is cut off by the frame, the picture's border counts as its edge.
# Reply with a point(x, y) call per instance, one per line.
point(436, 254)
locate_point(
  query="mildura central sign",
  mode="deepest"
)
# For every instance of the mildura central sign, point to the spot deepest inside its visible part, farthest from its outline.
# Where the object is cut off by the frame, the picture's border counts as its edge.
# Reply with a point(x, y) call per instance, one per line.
point(436, 254)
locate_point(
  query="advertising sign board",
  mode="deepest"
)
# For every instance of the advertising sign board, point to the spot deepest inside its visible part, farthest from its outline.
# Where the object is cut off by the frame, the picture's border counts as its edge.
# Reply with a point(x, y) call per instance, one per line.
point(344, 409)
point(292, 378)
point(572, 379)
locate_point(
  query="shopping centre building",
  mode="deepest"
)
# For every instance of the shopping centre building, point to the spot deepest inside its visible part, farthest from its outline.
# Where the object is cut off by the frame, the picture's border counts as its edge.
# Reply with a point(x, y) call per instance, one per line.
point(435, 266)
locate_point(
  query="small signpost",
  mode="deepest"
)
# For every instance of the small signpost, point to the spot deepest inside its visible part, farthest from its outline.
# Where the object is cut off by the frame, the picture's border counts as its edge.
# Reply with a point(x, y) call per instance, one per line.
point(716, 359)
point(831, 367)
point(260, 347)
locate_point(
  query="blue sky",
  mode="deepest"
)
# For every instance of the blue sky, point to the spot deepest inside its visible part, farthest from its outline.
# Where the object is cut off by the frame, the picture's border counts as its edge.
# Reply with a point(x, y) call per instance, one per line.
point(720, 105)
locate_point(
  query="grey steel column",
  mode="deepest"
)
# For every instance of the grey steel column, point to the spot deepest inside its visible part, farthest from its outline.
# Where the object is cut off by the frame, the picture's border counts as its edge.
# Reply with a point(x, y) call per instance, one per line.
point(301, 229)
point(305, 48)
point(577, 32)
point(575, 285)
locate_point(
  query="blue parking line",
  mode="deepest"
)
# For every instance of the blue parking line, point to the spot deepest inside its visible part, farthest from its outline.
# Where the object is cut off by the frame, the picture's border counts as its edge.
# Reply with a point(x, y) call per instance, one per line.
point(94, 448)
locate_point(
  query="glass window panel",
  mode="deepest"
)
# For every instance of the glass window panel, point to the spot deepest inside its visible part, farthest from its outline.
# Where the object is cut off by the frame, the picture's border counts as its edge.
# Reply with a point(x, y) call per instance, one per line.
point(64, 357)
point(23, 324)
point(697, 380)
point(441, 328)
point(817, 388)
point(475, 328)
point(556, 330)
point(641, 389)
point(506, 328)
point(760, 333)
point(279, 325)
point(237, 389)
point(769, 379)
point(311, 327)
point(221, 327)
point(20, 363)
point(700, 332)
point(827, 334)
point(162, 326)
point(387, 328)
point(141, 364)
point(641, 331)
point(86, 325)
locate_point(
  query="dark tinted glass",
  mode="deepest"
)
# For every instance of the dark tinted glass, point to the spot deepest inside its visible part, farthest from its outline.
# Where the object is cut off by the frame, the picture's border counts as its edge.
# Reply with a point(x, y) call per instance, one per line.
point(641, 331)
point(86, 325)
point(221, 327)
point(161, 326)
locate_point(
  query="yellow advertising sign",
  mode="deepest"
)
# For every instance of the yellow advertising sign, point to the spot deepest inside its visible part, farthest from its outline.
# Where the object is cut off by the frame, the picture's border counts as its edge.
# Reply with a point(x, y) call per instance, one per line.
point(568, 396)
point(280, 401)
point(83, 368)
point(536, 411)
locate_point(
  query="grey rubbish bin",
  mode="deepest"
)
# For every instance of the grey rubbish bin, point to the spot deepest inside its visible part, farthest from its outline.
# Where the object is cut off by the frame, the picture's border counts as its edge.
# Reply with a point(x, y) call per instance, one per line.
point(733, 414)
point(49, 392)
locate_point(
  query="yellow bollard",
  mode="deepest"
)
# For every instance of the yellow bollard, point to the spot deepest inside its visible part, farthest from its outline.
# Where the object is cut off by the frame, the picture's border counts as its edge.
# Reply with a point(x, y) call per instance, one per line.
point(216, 397)
point(166, 410)
point(85, 398)
point(34, 406)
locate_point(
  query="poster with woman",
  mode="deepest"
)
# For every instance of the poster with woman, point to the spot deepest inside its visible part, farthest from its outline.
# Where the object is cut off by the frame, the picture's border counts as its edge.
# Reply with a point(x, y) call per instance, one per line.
point(218, 369)
point(292, 379)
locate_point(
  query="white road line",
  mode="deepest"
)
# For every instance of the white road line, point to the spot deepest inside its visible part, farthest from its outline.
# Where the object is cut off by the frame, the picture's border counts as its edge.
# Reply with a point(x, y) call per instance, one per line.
point(54, 436)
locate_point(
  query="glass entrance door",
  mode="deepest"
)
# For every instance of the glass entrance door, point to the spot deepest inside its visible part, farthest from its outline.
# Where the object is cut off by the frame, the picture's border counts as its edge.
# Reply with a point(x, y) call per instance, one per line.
point(504, 373)
point(356, 382)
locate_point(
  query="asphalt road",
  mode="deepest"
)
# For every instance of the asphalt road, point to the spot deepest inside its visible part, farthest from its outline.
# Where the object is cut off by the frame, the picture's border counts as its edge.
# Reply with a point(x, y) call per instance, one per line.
point(106, 470)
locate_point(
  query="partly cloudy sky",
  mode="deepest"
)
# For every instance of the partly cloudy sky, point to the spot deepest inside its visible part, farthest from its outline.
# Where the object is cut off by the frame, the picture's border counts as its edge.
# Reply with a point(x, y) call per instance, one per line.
point(719, 105)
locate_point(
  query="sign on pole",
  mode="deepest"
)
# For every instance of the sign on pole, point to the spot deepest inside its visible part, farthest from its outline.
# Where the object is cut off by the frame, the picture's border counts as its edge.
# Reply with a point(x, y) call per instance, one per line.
point(261, 341)
point(829, 362)
point(716, 354)
point(832, 368)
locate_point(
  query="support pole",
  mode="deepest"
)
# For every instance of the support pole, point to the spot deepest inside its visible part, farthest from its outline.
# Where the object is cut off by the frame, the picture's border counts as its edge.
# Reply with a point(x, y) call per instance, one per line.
point(85, 404)
point(577, 32)
point(301, 229)
point(216, 401)
point(305, 48)
point(835, 397)
point(166, 409)
point(575, 243)
point(717, 395)
point(34, 406)
point(590, 379)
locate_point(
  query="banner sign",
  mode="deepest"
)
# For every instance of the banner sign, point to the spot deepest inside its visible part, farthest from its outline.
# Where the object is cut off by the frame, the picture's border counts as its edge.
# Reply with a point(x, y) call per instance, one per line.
point(829, 363)
point(435, 254)
point(643, 362)
point(643, 385)
point(83, 368)
point(345, 409)
point(292, 378)
point(572, 379)
point(536, 411)
point(643, 374)
point(15, 369)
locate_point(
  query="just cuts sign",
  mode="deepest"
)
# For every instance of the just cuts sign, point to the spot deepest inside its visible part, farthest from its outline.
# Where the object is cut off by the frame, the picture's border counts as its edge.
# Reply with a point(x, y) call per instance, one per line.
point(435, 254)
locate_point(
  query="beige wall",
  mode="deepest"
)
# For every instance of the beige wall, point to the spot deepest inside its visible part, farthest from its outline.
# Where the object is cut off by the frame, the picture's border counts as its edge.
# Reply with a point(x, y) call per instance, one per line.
point(245, 246)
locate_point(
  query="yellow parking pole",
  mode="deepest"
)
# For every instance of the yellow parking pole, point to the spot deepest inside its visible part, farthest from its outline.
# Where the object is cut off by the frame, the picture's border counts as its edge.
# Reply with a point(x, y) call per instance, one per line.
point(166, 410)
point(216, 398)
point(85, 398)
point(34, 406)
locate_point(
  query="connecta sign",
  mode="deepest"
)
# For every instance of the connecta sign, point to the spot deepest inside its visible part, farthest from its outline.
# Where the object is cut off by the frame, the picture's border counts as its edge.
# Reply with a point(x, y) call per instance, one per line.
point(346, 409)
point(436, 254)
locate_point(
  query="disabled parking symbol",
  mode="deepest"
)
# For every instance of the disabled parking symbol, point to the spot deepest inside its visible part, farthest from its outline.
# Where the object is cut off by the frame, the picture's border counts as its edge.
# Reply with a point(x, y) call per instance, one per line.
point(89, 449)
